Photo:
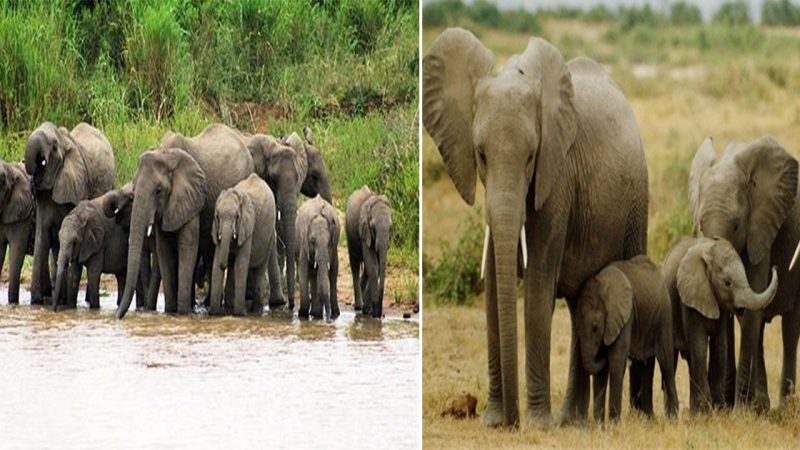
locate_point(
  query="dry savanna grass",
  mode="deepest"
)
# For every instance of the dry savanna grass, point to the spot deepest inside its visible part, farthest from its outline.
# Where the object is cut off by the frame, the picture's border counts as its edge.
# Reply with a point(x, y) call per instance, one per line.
point(680, 93)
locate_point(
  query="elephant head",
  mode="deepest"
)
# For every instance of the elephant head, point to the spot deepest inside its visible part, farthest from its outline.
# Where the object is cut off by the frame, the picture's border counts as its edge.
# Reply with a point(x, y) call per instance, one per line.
point(119, 205)
point(54, 160)
point(169, 190)
point(745, 196)
point(81, 236)
point(711, 276)
point(375, 231)
point(515, 129)
point(318, 234)
point(234, 220)
point(316, 182)
point(604, 307)
point(16, 198)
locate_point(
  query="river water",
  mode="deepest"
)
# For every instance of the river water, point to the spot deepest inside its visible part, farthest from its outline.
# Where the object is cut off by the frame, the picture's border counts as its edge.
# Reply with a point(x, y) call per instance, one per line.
point(83, 379)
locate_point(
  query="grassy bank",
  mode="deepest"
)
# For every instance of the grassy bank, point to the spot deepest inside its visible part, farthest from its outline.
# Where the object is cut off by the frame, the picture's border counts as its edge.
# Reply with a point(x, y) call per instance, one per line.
point(347, 69)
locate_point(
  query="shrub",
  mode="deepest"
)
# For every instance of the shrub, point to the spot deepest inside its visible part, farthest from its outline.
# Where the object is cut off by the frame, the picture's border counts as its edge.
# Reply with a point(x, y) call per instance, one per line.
point(442, 13)
point(455, 277)
point(599, 13)
point(780, 12)
point(630, 17)
point(733, 13)
point(682, 13)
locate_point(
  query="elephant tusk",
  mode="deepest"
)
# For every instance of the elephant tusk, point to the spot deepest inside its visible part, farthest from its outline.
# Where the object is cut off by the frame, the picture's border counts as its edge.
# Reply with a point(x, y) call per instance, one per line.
point(279, 215)
point(116, 211)
point(524, 243)
point(794, 258)
point(149, 230)
point(234, 236)
point(485, 250)
point(315, 265)
point(44, 162)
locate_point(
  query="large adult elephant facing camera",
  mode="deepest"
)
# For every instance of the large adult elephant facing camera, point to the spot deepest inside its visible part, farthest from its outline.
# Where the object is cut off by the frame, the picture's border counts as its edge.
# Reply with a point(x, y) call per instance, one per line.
point(557, 147)
point(175, 189)
point(748, 196)
point(67, 167)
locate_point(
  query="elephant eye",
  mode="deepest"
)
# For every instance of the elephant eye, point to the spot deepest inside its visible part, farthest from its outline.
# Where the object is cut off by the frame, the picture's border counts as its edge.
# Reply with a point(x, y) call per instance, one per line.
point(530, 159)
point(727, 283)
point(594, 327)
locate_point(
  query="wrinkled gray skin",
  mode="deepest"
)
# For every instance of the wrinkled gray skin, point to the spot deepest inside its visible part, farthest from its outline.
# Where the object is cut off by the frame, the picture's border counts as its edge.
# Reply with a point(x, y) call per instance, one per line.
point(624, 312)
point(557, 147)
point(66, 167)
point(90, 239)
point(119, 206)
point(175, 190)
point(706, 281)
point(243, 232)
point(748, 196)
point(17, 222)
point(368, 223)
point(289, 166)
point(317, 231)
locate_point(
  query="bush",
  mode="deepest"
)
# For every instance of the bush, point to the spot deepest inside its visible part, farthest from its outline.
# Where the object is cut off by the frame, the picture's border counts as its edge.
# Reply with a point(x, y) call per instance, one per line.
point(599, 13)
point(682, 13)
point(780, 12)
point(455, 278)
point(630, 17)
point(442, 13)
point(733, 13)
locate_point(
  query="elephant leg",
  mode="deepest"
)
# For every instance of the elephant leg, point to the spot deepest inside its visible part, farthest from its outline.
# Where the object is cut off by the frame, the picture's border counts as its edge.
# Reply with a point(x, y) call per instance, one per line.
point(576, 401)
point(762, 388)
point(599, 383)
point(635, 384)
point(154, 282)
point(355, 269)
point(648, 369)
point(666, 364)
point(276, 298)
point(16, 259)
point(240, 270)
point(790, 330)
point(40, 274)
point(303, 276)
point(121, 280)
point(697, 341)
point(230, 290)
point(71, 286)
point(617, 358)
point(333, 277)
point(256, 277)
point(366, 306)
point(3, 248)
point(493, 415)
point(187, 261)
point(316, 301)
point(93, 285)
point(717, 364)
point(750, 323)
point(217, 282)
point(730, 361)
point(142, 281)
point(167, 264)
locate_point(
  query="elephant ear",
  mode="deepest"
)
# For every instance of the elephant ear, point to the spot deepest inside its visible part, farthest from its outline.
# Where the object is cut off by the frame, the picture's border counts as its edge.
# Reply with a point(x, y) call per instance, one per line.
point(187, 194)
point(247, 219)
point(93, 232)
point(308, 135)
point(301, 158)
point(559, 121)
point(772, 174)
point(703, 159)
point(364, 226)
point(261, 147)
point(20, 202)
point(111, 202)
point(617, 295)
point(70, 183)
point(450, 70)
point(694, 284)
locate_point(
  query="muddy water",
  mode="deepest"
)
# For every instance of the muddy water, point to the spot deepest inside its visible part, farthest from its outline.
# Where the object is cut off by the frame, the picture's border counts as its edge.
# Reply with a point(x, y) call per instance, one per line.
point(83, 379)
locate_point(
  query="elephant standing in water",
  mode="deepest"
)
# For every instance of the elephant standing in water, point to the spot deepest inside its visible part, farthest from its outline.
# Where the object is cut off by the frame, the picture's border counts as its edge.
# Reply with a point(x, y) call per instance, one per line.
point(557, 147)
point(175, 190)
point(369, 232)
point(67, 167)
point(17, 222)
point(317, 231)
point(706, 281)
point(748, 197)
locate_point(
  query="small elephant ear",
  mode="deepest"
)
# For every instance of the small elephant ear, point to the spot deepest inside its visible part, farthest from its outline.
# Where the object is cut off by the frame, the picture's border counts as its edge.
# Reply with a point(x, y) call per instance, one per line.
point(70, 183)
point(703, 159)
point(93, 232)
point(772, 174)
point(20, 203)
point(247, 219)
point(364, 228)
point(451, 69)
point(332, 215)
point(617, 295)
point(694, 284)
point(111, 202)
point(261, 147)
point(544, 64)
point(187, 194)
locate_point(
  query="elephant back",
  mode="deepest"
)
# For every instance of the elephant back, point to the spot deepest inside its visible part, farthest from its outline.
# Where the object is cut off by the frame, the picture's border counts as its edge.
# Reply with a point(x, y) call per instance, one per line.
point(353, 211)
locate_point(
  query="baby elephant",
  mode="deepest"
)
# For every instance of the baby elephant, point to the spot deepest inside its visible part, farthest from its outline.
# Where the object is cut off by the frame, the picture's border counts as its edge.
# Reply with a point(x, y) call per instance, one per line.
point(88, 238)
point(369, 230)
point(317, 231)
point(706, 281)
point(17, 222)
point(243, 232)
point(624, 312)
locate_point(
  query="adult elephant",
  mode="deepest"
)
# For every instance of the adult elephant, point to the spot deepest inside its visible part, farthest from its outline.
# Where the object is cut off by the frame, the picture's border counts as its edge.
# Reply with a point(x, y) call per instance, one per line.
point(175, 190)
point(290, 166)
point(17, 222)
point(557, 147)
point(67, 167)
point(749, 197)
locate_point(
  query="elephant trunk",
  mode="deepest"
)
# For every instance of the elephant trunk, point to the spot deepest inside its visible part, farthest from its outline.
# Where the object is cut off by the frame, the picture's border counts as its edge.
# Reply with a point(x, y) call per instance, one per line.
point(325, 189)
point(64, 255)
point(589, 356)
point(288, 212)
point(743, 294)
point(323, 285)
point(223, 247)
point(141, 221)
point(381, 279)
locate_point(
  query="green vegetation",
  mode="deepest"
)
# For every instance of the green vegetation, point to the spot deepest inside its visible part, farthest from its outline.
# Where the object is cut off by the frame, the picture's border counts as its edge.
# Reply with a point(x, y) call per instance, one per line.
point(479, 12)
point(733, 13)
point(780, 12)
point(346, 68)
point(456, 277)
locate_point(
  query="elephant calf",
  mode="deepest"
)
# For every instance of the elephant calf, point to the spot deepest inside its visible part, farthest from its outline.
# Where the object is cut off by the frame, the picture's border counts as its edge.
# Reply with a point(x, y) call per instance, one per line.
point(243, 232)
point(317, 231)
point(706, 281)
point(368, 222)
point(17, 222)
point(89, 238)
point(624, 312)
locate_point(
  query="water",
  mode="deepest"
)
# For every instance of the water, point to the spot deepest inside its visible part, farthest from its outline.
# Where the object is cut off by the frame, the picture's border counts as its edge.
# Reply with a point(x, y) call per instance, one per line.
point(83, 379)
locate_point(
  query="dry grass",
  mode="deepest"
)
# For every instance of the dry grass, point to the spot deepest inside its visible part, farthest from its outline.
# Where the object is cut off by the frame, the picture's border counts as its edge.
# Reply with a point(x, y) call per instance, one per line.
point(692, 94)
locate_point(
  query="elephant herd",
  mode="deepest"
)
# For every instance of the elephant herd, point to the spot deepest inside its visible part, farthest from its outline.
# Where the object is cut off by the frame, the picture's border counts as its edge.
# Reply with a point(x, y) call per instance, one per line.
point(557, 147)
point(196, 207)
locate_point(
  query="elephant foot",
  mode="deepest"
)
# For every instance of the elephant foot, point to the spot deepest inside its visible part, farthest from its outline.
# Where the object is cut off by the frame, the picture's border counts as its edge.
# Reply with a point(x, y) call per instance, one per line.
point(538, 420)
point(567, 416)
point(216, 311)
point(38, 301)
point(493, 415)
point(761, 404)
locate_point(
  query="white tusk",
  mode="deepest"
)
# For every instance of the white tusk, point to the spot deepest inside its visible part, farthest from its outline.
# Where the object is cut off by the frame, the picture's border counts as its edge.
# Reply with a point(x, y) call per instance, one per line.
point(149, 230)
point(224, 275)
point(329, 267)
point(485, 250)
point(234, 236)
point(315, 264)
point(44, 162)
point(116, 211)
point(524, 243)
point(794, 258)
point(279, 215)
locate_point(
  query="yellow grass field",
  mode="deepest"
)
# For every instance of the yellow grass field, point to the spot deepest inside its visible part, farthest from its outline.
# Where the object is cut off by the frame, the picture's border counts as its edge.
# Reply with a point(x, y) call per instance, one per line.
point(680, 93)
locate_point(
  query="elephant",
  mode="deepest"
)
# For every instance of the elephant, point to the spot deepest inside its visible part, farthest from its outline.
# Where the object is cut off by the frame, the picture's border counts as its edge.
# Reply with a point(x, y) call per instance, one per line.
point(17, 222)
point(66, 167)
point(706, 281)
point(624, 312)
point(119, 206)
point(175, 190)
point(368, 223)
point(289, 166)
point(250, 248)
point(88, 238)
point(317, 231)
point(557, 147)
point(748, 196)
